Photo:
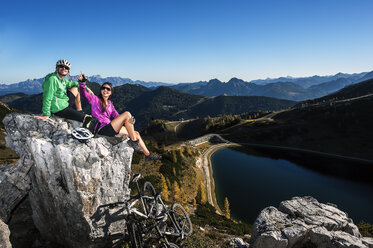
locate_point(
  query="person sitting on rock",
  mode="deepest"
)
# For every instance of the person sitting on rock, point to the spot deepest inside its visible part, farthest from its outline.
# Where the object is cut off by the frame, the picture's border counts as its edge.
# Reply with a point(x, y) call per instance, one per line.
point(55, 99)
point(112, 122)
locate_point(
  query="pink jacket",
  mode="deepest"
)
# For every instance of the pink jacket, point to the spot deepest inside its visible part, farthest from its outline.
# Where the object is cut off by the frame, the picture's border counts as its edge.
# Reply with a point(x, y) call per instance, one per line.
point(104, 118)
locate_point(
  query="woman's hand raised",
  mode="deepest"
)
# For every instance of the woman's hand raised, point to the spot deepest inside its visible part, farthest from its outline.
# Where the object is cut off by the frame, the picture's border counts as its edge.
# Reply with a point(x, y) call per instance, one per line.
point(82, 78)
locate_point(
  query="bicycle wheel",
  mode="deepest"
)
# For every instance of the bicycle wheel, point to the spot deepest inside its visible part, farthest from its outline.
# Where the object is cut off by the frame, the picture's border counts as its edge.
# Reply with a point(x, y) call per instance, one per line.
point(135, 235)
point(181, 219)
point(149, 192)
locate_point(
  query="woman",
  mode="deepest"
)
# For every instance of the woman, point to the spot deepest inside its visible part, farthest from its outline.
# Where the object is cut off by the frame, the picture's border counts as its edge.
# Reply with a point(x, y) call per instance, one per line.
point(103, 109)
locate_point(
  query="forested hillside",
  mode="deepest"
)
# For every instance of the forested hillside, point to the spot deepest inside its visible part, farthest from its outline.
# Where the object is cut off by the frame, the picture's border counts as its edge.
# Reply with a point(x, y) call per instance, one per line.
point(165, 103)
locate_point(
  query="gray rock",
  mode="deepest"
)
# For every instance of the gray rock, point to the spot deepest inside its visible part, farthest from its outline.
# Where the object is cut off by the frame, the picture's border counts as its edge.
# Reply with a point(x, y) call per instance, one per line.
point(22, 228)
point(237, 243)
point(304, 222)
point(14, 185)
point(4, 235)
point(368, 242)
point(71, 180)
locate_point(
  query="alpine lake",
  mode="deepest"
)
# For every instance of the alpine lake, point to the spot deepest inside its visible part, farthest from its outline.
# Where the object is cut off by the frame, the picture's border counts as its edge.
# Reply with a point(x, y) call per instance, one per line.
point(254, 178)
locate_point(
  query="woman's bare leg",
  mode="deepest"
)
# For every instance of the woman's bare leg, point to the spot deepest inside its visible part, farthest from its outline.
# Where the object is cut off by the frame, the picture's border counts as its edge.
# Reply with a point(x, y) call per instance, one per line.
point(75, 92)
point(123, 131)
point(126, 119)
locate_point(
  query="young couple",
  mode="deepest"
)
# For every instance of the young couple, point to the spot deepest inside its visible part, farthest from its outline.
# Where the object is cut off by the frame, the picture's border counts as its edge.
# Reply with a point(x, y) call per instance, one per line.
point(56, 101)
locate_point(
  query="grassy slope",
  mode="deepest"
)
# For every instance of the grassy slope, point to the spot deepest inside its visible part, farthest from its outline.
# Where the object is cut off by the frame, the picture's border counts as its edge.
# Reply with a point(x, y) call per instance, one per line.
point(343, 129)
point(6, 154)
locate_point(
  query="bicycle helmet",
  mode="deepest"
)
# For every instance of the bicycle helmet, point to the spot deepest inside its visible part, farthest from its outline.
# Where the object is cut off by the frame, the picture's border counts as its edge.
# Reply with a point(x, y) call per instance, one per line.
point(82, 134)
point(63, 62)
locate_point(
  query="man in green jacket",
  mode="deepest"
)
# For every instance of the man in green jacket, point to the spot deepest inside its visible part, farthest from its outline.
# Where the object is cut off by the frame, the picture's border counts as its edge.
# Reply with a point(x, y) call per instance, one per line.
point(55, 99)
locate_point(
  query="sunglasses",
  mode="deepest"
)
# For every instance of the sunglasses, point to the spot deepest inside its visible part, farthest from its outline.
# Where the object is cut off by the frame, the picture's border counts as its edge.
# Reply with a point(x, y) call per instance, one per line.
point(64, 66)
point(105, 88)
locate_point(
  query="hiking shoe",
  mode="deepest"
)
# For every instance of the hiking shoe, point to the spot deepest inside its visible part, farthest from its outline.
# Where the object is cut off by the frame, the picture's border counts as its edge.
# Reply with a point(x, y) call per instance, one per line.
point(135, 145)
point(152, 156)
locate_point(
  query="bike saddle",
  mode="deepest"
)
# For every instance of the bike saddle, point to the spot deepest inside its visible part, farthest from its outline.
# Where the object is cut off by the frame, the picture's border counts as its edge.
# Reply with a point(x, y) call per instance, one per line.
point(136, 177)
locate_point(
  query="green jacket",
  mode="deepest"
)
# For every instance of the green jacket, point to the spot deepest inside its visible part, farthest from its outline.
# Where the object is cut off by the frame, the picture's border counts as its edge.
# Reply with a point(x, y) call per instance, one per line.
point(54, 93)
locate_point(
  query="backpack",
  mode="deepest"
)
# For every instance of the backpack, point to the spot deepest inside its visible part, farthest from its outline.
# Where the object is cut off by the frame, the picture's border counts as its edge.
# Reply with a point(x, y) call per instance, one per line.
point(92, 124)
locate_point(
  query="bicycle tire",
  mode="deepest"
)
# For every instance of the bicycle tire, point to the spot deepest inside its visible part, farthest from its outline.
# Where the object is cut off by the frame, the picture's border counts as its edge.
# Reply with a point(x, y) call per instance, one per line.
point(148, 190)
point(181, 218)
point(169, 245)
point(135, 235)
point(172, 245)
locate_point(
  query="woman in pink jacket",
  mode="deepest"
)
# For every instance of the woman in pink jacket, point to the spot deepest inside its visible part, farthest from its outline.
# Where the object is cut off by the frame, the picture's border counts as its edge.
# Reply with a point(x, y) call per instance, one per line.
point(112, 122)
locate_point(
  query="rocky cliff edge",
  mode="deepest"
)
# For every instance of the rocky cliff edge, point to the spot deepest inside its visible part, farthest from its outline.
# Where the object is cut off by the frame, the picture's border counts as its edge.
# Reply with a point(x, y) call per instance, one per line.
point(67, 181)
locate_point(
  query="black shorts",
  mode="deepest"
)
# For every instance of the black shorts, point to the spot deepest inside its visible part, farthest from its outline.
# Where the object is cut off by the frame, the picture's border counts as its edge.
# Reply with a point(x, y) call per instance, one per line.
point(72, 114)
point(108, 130)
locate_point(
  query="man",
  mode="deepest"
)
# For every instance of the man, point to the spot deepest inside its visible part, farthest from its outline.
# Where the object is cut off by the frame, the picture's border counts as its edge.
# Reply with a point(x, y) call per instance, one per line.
point(55, 99)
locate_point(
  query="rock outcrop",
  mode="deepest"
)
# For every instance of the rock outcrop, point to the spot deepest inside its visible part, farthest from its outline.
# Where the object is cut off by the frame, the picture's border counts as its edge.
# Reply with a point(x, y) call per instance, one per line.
point(4, 235)
point(71, 180)
point(237, 243)
point(304, 222)
point(14, 185)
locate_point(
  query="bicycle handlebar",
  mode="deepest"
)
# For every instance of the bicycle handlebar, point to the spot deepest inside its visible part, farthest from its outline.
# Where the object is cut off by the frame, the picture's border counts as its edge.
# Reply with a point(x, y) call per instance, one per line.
point(111, 205)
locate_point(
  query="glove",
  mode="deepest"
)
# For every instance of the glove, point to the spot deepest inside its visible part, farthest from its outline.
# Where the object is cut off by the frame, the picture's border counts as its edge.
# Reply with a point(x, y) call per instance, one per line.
point(84, 79)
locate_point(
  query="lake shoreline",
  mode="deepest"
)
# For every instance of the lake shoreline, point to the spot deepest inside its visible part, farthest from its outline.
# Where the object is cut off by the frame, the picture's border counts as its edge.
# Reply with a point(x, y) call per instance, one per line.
point(208, 173)
point(319, 193)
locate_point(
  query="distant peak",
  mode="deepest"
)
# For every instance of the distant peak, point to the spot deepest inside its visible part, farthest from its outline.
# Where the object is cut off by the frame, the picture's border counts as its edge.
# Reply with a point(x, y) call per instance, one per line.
point(215, 80)
point(234, 80)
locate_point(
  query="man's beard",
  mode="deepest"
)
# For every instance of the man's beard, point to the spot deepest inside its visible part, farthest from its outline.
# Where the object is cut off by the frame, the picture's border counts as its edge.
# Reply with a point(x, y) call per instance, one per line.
point(62, 74)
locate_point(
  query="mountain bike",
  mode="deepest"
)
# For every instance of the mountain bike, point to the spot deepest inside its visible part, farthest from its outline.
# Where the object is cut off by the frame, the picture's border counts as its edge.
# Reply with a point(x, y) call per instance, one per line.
point(140, 208)
point(169, 223)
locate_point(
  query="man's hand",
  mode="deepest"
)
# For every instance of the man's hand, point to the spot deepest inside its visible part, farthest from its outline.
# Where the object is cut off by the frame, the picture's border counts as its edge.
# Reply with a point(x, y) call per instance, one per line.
point(44, 118)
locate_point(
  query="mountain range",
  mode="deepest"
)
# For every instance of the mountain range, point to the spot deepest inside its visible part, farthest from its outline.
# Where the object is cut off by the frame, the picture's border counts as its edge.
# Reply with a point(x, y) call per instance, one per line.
point(314, 80)
point(162, 103)
point(33, 86)
point(297, 89)
point(291, 89)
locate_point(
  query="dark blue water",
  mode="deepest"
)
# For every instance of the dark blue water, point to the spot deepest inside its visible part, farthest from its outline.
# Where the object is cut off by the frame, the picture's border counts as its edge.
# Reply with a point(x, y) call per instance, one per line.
point(252, 183)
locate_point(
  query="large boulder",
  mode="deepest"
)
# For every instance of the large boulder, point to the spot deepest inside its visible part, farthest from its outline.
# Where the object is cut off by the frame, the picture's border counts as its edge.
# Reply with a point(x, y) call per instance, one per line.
point(71, 180)
point(304, 222)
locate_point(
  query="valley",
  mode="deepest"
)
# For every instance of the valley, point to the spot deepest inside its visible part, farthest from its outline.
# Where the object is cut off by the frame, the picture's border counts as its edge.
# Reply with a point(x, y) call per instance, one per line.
point(337, 125)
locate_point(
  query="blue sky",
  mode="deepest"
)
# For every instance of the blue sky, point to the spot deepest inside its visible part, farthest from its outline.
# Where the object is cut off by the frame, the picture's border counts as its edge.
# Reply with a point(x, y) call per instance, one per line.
point(186, 41)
